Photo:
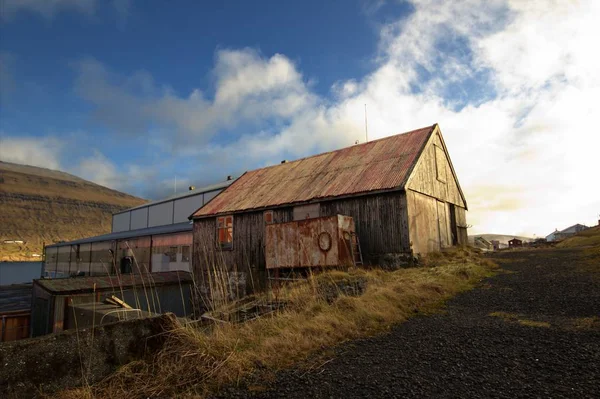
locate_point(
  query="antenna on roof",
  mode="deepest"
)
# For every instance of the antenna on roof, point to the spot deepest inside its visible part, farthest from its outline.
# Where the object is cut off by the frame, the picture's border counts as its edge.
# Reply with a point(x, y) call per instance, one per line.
point(366, 125)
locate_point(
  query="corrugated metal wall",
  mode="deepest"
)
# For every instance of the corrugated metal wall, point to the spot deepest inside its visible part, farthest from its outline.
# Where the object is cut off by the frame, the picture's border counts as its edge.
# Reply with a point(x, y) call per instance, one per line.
point(164, 213)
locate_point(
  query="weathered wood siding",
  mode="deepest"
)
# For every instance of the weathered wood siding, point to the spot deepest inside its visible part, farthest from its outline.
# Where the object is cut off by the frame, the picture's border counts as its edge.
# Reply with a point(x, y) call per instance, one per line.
point(241, 268)
point(381, 223)
point(430, 225)
point(461, 221)
point(423, 223)
point(425, 178)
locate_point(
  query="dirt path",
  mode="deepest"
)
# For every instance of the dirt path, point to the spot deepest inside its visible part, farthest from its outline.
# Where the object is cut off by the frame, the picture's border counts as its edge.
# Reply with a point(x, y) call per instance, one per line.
point(531, 332)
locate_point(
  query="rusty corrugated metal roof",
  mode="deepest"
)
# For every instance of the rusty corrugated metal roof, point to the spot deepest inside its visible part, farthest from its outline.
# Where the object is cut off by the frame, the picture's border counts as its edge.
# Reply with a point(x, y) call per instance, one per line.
point(382, 164)
point(103, 283)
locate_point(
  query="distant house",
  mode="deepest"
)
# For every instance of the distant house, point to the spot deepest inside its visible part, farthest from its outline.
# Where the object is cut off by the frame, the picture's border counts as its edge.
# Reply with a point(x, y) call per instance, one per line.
point(557, 235)
point(401, 192)
point(514, 243)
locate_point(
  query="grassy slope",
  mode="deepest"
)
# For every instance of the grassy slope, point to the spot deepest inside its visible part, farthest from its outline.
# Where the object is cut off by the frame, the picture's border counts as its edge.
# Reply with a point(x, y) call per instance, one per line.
point(195, 363)
point(40, 205)
point(586, 238)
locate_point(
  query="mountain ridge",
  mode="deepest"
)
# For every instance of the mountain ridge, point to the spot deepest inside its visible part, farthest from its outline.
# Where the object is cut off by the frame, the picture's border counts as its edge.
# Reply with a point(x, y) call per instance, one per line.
point(40, 206)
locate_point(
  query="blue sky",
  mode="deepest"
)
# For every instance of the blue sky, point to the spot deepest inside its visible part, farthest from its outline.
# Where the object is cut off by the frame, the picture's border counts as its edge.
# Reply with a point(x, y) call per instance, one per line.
point(130, 93)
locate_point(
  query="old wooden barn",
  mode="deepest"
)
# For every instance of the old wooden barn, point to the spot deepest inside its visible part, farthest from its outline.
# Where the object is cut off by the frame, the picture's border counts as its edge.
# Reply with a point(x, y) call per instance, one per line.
point(401, 191)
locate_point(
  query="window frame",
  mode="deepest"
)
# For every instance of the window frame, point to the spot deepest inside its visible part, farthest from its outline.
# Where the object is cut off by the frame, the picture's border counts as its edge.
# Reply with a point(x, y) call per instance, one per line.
point(189, 253)
point(173, 254)
point(442, 178)
point(224, 223)
point(267, 215)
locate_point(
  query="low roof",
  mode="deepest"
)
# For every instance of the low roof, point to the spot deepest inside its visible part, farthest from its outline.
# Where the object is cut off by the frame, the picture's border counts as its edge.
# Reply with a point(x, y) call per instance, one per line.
point(104, 283)
point(166, 229)
point(378, 165)
point(14, 298)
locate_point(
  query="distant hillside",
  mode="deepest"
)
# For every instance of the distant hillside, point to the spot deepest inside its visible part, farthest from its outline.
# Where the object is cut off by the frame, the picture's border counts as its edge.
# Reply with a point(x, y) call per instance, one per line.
point(500, 237)
point(41, 205)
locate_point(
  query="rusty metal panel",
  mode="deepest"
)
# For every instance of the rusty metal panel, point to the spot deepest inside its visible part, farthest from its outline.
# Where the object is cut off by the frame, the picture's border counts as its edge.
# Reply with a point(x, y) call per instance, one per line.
point(374, 166)
point(281, 248)
point(317, 242)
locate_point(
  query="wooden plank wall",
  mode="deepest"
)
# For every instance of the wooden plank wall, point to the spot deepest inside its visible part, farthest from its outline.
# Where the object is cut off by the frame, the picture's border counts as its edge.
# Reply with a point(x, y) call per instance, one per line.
point(381, 223)
point(424, 178)
point(423, 223)
point(430, 226)
point(247, 258)
point(461, 222)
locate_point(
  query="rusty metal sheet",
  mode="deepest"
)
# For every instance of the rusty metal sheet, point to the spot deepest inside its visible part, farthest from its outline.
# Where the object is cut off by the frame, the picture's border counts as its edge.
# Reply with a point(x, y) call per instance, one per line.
point(377, 165)
point(317, 242)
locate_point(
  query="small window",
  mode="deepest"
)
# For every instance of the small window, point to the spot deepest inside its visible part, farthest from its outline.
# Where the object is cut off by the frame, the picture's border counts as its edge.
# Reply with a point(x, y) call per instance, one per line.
point(225, 232)
point(268, 216)
point(440, 163)
point(185, 253)
point(172, 254)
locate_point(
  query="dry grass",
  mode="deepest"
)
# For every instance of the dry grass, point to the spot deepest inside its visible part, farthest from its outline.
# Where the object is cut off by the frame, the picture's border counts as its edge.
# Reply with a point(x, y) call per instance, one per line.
point(586, 323)
point(533, 323)
point(193, 363)
point(517, 318)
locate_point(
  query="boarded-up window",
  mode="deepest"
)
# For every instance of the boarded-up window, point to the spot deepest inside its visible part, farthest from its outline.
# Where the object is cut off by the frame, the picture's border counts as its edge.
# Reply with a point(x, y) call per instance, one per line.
point(172, 254)
point(307, 212)
point(268, 216)
point(225, 232)
point(185, 253)
point(440, 163)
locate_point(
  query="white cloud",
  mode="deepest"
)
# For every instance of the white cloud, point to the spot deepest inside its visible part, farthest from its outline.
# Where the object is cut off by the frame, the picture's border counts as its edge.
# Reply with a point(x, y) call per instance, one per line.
point(35, 151)
point(524, 151)
point(526, 157)
point(248, 89)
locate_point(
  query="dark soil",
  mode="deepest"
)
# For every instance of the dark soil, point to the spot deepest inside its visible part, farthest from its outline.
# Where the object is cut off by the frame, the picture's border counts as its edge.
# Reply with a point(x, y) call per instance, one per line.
point(467, 352)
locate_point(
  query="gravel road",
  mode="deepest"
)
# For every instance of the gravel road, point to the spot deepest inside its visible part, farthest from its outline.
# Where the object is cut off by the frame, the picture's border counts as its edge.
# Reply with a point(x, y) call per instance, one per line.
point(538, 343)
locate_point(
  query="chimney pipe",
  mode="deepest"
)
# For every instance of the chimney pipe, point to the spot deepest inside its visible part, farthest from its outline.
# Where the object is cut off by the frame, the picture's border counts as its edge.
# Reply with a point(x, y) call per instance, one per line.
point(192, 188)
point(229, 178)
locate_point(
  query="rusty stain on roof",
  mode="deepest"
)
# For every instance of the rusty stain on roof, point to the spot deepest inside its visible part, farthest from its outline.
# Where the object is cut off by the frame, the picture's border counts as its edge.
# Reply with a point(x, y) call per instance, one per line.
point(382, 164)
point(83, 284)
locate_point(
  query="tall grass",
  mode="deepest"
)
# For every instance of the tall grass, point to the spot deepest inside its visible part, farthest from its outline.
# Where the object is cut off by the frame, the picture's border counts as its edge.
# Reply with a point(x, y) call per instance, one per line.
point(195, 362)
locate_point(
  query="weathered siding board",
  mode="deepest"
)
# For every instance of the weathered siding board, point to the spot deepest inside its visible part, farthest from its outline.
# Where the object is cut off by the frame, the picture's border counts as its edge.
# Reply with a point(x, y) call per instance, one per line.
point(461, 222)
point(424, 178)
point(423, 225)
point(381, 221)
point(443, 225)
point(246, 259)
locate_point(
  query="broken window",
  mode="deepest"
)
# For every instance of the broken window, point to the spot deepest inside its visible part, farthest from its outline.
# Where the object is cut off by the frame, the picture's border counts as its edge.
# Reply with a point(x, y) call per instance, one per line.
point(268, 216)
point(225, 232)
point(172, 254)
point(185, 253)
